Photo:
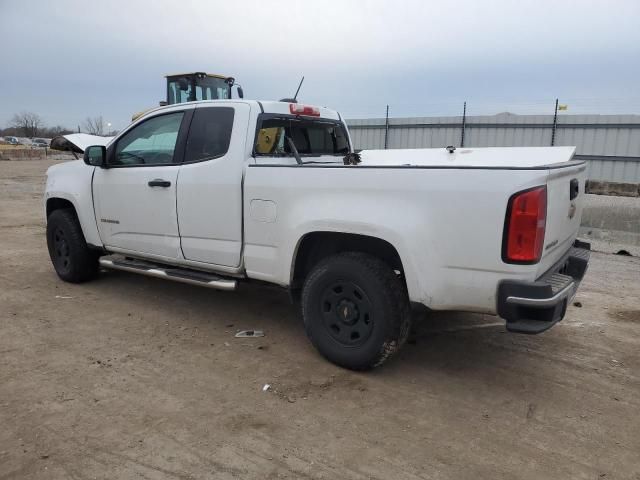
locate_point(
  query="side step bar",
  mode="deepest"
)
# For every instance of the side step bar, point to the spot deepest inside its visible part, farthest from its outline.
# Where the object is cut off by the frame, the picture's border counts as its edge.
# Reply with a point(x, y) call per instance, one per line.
point(176, 274)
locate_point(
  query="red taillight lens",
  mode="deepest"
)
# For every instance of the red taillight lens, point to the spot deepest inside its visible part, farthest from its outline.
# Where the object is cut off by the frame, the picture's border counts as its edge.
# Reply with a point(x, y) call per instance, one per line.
point(307, 110)
point(525, 225)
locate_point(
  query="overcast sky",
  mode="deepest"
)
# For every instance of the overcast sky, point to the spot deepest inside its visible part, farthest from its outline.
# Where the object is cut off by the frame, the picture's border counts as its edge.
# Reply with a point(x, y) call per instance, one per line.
point(68, 59)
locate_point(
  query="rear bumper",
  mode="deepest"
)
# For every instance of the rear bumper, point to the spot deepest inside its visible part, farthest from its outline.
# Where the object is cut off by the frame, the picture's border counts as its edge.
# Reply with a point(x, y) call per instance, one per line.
point(533, 307)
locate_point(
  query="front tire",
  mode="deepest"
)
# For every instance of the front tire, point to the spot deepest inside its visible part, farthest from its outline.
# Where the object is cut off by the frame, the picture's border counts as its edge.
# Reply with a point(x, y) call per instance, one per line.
point(355, 310)
point(72, 259)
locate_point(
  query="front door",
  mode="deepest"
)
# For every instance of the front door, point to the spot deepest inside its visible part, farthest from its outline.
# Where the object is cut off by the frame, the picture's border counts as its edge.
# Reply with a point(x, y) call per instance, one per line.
point(135, 196)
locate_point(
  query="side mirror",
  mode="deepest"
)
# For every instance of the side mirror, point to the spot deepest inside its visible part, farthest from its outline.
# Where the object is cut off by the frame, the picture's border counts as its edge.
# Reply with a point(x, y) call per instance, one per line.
point(240, 92)
point(95, 156)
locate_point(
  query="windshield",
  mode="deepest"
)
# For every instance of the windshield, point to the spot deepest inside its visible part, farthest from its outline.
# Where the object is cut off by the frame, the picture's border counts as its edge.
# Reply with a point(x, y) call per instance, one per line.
point(310, 137)
point(188, 88)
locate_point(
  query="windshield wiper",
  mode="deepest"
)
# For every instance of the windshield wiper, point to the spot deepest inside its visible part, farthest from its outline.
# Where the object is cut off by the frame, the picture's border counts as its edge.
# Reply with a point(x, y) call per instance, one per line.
point(294, 150)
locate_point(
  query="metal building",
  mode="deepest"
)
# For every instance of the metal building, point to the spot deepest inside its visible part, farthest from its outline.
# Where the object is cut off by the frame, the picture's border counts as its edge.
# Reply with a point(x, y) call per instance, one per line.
point(609, 143)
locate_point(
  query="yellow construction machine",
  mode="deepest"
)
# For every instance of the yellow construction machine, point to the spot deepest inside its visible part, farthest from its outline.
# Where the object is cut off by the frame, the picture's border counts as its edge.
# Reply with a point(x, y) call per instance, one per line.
point(194, 86)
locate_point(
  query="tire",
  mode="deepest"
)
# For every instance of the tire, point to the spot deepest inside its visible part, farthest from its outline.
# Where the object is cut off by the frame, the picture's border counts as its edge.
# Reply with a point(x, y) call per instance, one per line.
point(72, 259)
point(355, 309)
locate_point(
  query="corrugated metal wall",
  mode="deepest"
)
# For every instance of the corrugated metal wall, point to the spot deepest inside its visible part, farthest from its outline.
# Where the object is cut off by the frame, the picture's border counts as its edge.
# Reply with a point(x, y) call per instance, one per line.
point(609, 143)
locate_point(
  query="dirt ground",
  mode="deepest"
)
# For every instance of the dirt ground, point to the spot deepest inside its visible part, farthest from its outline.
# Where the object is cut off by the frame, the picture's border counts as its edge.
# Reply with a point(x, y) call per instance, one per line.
point(133, 377)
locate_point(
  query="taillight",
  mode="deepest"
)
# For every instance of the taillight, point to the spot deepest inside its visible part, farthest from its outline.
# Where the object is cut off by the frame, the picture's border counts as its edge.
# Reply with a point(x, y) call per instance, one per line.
point(307, 110)
point(524, 226)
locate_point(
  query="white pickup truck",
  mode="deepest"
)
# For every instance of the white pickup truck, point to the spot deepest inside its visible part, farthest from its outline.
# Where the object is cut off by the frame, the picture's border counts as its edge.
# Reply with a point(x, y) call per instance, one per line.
point(213, 193)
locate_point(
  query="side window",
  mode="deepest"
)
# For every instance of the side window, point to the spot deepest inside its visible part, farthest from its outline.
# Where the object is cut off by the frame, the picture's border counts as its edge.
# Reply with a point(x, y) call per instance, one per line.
point(151, 143)
point(210, 133)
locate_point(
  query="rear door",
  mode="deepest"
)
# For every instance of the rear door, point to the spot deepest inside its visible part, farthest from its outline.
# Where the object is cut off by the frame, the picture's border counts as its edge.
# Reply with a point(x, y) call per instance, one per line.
point(135, 197)
point(209, 194)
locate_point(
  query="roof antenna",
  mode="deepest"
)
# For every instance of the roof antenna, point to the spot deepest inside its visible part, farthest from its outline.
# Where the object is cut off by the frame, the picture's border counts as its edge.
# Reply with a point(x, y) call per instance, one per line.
point(295, 97)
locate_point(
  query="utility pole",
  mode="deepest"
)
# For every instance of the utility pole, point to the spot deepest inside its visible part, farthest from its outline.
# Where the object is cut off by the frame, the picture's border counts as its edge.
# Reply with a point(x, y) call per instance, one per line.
point(555, 124)
point(386, 129)
point(464, 124)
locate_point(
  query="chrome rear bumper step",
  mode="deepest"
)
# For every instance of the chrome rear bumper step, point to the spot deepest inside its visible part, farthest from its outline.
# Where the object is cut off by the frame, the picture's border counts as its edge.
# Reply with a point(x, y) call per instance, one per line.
point(176, 274)
point(533, 307)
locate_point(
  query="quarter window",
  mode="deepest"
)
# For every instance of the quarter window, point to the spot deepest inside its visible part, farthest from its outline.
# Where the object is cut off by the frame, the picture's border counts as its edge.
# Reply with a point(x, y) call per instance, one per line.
point(153, 142)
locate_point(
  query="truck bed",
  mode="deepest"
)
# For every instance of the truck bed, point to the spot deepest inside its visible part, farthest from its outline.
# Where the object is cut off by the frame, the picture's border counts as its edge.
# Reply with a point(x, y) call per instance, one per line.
point(446, 223)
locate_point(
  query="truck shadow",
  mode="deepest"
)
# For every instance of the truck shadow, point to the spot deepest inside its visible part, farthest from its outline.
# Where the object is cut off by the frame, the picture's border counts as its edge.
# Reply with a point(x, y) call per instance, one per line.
point(478, 350)
point(457, 344)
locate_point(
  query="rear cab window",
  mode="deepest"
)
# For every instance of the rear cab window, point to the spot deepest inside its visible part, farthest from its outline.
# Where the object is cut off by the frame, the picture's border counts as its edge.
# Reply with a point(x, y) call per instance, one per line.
point(311, 137)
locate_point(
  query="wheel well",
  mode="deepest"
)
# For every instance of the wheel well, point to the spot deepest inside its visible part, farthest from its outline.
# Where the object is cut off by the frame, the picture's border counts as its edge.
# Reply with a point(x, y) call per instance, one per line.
point(315, 246)
point(59, 204)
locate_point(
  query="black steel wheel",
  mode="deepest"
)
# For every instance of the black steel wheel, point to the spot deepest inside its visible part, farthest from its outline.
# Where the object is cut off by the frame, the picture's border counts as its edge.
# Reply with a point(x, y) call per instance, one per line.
point(347, 313)
point(72, 259)
point(355, 310)
point(61, 259)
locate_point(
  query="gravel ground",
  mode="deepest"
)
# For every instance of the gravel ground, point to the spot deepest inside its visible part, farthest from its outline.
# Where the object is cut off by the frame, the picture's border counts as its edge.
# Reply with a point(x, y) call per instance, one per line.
point(133, 377)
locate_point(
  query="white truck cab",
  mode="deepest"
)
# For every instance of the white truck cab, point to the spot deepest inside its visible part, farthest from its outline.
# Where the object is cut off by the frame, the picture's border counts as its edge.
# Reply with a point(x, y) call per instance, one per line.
point(216, 192)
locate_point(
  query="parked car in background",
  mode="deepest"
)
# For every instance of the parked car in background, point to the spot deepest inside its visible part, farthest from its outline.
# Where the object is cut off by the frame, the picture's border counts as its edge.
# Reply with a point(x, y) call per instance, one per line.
point(11, 140)
point(39, 143)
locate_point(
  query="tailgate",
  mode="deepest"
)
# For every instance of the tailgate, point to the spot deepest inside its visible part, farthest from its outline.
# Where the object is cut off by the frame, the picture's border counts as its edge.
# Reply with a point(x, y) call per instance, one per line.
point(565, 200)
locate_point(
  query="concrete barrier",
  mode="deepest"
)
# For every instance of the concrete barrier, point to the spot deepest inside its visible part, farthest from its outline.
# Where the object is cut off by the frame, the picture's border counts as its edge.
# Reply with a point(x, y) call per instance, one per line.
point(597, 187)
point(612, 223)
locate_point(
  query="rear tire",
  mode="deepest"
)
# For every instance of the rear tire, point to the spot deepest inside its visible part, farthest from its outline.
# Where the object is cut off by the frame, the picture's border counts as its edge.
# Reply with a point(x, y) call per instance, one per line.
point(355, 309)
point(72, 259)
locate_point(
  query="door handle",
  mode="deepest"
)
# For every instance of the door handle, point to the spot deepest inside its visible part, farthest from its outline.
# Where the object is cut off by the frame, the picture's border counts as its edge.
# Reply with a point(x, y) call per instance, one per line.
point(158, 182)
point(574, 188)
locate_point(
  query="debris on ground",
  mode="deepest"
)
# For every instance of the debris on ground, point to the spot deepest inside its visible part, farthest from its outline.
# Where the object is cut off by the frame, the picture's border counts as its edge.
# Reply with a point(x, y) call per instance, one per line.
point(266, 387)
point(577, 304)
point(249, 333)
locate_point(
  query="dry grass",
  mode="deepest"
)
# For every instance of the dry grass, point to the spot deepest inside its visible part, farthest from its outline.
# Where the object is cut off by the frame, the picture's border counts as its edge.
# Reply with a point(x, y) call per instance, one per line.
point(6, 146)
